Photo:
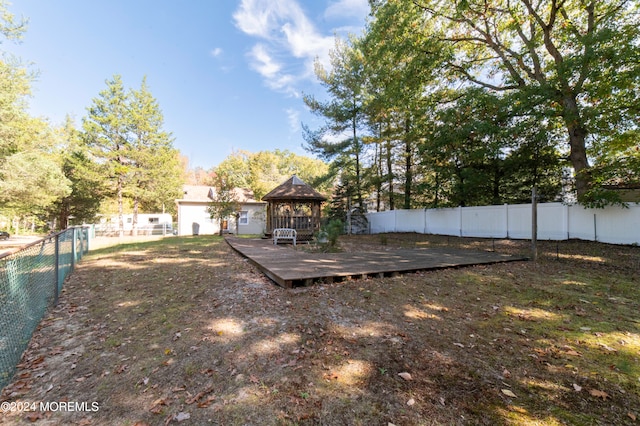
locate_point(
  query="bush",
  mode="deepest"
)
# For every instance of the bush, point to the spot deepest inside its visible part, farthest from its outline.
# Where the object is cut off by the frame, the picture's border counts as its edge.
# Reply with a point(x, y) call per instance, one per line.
point(333, 230)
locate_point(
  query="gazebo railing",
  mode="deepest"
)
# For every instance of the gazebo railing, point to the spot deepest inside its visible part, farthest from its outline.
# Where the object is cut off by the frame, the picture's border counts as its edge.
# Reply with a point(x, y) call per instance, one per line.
point(298, 222)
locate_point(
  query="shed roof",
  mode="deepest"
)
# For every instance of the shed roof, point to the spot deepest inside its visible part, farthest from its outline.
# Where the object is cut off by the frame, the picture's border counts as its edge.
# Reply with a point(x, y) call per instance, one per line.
point(204, 193)
point(294, 189)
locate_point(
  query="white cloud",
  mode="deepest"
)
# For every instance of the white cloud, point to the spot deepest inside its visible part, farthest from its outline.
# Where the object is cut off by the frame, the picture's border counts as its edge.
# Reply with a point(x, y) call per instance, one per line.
point(257, 17)
point(286, 33)
point(216, 52)
point(293, 116)
point(263, 62)
point(347, 8)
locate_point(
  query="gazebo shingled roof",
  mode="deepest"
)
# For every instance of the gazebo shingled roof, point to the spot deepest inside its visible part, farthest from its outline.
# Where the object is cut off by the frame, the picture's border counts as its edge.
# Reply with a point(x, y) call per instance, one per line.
point(294, 189)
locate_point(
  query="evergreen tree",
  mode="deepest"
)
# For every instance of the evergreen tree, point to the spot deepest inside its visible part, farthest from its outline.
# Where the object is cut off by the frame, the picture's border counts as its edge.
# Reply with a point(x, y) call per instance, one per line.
point(124, 131)
point(156, 179)
point(106, 132)
point(87, 184)
point(344, 113)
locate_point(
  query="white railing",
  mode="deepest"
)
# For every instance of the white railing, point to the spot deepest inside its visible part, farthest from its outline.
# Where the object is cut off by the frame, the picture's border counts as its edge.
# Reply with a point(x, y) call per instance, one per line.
point(556, 221)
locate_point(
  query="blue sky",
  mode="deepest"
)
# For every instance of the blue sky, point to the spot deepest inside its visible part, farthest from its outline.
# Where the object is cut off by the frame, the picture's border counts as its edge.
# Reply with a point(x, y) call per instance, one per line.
point(228, 75)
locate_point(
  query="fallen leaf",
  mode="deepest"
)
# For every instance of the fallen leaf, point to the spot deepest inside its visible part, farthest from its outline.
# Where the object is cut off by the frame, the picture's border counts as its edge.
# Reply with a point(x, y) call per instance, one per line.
point(405, 375)
point(458, 344)
point(411, 402)
point(607, 348)
point(206, 402)
point(506, 373)
point(577, 388)
point(509, 393)
point(177, 336)
point(157, 405)
point(631, 416)
point(198, 396)
point(599, 394)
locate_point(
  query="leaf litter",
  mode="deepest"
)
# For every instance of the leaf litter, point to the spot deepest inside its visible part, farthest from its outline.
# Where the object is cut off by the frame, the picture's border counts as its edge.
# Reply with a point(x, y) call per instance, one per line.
point(191, 332)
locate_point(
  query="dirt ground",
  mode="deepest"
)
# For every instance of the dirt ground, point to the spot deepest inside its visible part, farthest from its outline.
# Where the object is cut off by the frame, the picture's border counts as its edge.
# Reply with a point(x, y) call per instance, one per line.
point(184, 330)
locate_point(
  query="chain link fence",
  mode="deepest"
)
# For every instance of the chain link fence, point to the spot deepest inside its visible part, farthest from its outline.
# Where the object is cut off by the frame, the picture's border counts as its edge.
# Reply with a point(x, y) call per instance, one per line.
point(30, 281)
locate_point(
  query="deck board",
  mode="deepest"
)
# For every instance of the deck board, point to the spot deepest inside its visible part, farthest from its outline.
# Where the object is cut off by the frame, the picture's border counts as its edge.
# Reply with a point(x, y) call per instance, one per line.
point(290, 267)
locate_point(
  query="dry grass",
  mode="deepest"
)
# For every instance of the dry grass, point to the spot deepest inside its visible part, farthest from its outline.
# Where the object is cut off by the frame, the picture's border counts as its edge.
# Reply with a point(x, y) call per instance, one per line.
point(183, 329)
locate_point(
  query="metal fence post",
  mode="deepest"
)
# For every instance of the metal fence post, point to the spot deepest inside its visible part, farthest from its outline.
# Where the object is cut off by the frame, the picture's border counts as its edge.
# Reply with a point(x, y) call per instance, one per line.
point(74, 251)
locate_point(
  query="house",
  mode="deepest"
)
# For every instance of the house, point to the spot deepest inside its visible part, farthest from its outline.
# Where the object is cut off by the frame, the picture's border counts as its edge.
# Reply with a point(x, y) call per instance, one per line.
point(194, 217)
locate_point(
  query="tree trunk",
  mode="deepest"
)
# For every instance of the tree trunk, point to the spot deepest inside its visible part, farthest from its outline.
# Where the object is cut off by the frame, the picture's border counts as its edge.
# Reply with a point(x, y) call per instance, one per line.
point(63, 217)
point(390, 175)
point(356, 145)
point(578, 151)
point(134, 222)
point(120, 208)
point(408, 172)
point(437, 194)
point(379, 170)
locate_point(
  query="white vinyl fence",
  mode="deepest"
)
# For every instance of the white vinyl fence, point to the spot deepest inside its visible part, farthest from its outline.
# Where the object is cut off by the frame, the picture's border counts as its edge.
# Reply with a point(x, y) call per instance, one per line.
point(556, 221)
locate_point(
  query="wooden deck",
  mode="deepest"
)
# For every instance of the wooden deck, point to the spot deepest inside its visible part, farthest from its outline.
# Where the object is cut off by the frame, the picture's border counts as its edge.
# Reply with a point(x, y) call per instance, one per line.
point(289, 267)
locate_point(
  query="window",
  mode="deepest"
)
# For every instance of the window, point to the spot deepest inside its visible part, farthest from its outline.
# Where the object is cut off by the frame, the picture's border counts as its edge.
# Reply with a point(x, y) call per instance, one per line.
point(154, 220)
point(243, 218)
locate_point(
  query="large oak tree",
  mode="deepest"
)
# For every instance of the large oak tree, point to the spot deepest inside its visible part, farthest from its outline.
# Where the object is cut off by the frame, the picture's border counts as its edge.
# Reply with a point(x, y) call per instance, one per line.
point(577, 59)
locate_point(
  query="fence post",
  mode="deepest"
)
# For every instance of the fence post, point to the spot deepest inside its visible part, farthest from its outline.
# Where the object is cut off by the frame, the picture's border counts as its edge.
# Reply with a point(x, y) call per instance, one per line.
point(395, 221)
point(425, 221)
point(56, 282)
point(534, 223)
point(566, 221)
point(506, 219)
point(73, 248)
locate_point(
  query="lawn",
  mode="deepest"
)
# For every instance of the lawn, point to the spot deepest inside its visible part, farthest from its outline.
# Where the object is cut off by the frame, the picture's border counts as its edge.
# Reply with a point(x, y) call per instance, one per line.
point(183, 330)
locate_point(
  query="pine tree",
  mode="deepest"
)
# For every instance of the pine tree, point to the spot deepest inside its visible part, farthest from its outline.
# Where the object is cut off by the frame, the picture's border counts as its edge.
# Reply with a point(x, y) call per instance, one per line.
point(106, 132)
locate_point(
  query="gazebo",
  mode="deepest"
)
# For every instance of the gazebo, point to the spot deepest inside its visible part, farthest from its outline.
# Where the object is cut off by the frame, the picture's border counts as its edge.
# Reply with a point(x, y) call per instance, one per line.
point(295, 205)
